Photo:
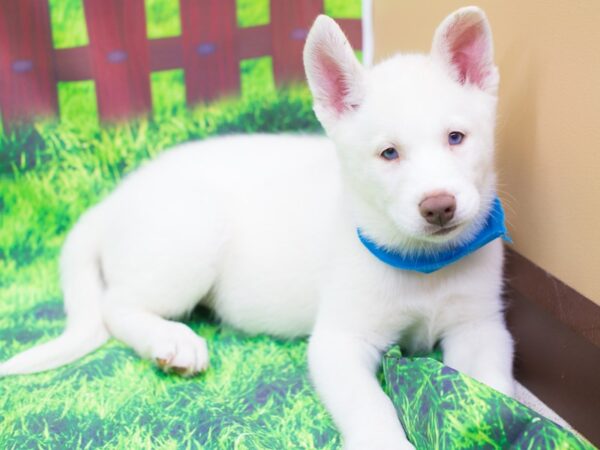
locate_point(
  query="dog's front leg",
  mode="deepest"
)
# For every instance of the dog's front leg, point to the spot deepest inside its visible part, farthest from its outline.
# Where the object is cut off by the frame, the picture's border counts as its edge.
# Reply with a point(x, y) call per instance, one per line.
point(343, 367)
point(482, 349)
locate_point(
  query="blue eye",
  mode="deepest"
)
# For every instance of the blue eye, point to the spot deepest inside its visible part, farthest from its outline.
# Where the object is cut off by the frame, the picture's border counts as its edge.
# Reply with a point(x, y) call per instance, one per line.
point(390, 154)
point(455, 137)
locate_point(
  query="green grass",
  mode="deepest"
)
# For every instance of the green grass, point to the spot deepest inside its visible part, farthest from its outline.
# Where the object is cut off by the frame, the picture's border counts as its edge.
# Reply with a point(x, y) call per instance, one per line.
point(343, 9)
point(162, 18)
point(68, 23)
point(252, 13)
point(168, 91)
point(77, 103)
point(257, 77)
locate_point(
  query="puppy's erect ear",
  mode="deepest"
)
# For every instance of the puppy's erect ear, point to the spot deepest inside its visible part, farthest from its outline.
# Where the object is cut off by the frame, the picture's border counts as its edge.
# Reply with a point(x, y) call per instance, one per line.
point(463, 44)
point(334, 74)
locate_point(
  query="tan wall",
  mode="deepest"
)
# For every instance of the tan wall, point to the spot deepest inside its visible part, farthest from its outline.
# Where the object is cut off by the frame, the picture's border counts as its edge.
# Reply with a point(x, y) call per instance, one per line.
point(549, 120)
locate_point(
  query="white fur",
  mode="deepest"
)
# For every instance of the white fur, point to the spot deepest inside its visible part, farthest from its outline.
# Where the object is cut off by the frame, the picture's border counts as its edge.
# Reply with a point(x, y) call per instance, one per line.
point(263, 229)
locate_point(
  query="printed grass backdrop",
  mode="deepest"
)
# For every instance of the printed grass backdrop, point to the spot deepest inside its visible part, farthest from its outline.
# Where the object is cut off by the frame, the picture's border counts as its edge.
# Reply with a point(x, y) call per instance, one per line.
point(256, 394)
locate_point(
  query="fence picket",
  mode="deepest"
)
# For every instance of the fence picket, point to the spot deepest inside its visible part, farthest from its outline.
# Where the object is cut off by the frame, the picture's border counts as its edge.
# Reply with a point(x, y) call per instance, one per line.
point(290, 22)
point(119, 56)
point(210, 53)
point(27, 83)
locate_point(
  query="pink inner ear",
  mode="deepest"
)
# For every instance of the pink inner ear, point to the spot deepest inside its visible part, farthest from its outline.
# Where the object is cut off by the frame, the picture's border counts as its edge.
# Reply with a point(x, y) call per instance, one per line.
point(468, 48)
point(333, 86)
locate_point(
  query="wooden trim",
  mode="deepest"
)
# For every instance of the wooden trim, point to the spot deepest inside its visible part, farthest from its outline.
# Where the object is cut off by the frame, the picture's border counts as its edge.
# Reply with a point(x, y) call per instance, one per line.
point(165, 53)
point(73, 64)
point(254, 42)
point(557, 343)
point(562, 301)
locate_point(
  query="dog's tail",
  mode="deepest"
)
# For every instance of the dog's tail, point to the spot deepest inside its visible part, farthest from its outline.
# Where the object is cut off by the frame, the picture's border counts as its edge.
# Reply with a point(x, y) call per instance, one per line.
point(82, 287)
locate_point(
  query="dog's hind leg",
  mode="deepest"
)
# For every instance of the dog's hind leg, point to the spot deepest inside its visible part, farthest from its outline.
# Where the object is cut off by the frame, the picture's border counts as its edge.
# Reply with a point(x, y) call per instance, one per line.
point(171, 345)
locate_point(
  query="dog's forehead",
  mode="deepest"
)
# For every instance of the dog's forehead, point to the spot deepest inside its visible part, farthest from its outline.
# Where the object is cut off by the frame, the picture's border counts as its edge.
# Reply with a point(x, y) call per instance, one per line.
point(412, 80)
point(410, 91)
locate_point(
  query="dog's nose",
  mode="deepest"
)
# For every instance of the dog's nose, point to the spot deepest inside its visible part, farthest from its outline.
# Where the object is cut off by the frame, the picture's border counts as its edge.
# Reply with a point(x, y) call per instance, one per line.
point(438, 209)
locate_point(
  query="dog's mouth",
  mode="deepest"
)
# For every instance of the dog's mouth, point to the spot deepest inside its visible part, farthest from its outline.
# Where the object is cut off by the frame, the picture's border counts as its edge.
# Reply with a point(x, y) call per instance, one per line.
point(443, 231)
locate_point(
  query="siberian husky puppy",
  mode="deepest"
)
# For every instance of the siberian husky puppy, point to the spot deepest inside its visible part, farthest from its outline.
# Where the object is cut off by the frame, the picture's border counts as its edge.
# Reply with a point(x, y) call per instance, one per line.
point(263, 230)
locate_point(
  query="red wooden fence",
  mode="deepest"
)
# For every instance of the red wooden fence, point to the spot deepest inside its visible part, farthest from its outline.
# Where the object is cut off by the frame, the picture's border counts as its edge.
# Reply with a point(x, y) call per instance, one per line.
point(27, 81)
point(210, 59)
point(289, 33)
point(120, 57)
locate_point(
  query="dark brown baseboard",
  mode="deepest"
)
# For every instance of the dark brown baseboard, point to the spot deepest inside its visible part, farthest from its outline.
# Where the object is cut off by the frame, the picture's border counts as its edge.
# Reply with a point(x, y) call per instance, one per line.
point(557, 336)
point(563, 302)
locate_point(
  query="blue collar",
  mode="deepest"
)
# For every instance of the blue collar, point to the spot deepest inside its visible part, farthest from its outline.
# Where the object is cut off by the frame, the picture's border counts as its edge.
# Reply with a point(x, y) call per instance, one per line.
point(430, 262)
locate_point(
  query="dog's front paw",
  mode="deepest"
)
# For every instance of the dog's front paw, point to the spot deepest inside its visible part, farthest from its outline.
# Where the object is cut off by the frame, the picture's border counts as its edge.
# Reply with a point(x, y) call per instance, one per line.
point(182, 352)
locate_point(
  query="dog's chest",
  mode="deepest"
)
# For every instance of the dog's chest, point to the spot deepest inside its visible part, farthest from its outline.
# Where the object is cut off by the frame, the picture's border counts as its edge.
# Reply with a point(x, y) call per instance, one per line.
point(427, 306)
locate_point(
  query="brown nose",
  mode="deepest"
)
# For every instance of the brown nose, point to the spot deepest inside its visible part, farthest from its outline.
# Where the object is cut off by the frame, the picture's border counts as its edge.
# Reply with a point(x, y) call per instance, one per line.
point(438, 209)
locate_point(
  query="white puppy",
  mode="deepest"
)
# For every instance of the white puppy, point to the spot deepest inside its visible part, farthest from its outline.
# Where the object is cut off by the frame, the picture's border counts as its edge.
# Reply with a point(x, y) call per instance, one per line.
point(263, 229)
